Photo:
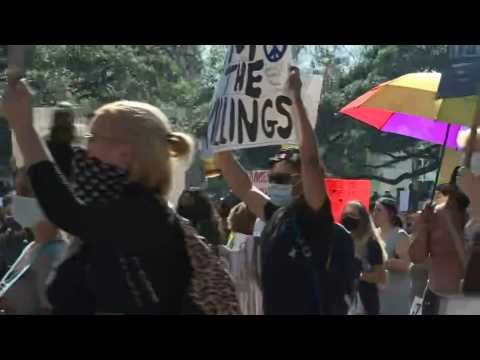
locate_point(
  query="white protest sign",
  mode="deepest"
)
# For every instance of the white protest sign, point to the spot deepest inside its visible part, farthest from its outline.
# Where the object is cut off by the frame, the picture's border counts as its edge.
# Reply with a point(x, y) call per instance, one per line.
point(252, 106)
point(42, 118)
point(416, 308)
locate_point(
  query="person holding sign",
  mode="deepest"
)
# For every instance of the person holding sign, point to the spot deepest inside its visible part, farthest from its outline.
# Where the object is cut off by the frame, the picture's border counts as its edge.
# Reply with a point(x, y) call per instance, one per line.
point(306, 259)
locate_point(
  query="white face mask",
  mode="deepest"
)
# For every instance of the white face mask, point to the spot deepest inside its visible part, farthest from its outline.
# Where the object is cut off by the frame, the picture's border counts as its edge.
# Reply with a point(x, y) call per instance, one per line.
point(280, 194)
point(26, 211)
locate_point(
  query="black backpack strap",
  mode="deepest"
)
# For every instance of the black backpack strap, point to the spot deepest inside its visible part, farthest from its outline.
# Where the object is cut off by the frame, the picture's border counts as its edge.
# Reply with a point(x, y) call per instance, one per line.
point(316, 272)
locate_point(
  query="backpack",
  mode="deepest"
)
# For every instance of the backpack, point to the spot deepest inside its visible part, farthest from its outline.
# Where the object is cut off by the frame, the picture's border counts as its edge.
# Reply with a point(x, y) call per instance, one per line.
point(211, 286)
point(333, 279)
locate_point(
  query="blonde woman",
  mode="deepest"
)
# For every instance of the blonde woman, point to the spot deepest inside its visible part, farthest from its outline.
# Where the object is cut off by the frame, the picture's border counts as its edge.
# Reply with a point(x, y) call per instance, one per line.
point(134, 258)
point(369, 255)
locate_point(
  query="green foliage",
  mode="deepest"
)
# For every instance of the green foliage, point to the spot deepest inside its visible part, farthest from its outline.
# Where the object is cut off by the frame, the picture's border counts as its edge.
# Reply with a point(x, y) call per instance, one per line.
point(169, 76)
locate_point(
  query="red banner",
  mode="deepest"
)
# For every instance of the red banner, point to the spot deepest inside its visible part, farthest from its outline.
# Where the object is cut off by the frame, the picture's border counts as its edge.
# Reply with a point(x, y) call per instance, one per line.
point(342, 191)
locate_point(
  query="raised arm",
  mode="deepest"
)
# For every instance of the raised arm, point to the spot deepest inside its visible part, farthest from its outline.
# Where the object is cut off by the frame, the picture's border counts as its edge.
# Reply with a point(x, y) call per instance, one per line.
point(238, 180)
point(17, 105)
point(313, 174)
point(51, 189)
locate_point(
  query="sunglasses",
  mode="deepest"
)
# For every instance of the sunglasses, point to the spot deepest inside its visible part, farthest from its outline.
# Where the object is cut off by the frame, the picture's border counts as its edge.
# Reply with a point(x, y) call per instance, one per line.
point(281, 178)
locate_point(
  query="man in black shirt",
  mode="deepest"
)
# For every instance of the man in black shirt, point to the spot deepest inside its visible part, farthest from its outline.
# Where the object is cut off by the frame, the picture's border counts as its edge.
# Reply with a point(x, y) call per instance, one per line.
point(306, 259)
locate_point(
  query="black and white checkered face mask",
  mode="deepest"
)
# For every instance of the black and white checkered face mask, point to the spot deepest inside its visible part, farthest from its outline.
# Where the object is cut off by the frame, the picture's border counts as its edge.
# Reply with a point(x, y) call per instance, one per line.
point(96, 181)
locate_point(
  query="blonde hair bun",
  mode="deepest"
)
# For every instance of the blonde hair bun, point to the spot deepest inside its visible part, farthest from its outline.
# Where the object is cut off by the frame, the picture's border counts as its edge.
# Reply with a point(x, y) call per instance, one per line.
point(181, 145)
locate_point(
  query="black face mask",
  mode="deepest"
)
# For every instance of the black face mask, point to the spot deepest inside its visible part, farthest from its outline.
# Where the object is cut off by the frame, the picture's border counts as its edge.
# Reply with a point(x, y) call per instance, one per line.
point(350, 223)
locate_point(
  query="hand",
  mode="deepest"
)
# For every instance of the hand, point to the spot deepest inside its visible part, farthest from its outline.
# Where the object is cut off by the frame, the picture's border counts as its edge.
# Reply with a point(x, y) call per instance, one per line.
point(17, 103)
point(295, 82)
point(470, 185)
point(427, 214)
point(423, 219)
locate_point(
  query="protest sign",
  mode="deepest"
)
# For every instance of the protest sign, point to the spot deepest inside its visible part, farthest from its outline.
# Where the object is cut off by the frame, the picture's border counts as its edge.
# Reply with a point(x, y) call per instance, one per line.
point(252, 105)
point(260, 180)
point(462, 76)
point(416, 308)
point(340, 192)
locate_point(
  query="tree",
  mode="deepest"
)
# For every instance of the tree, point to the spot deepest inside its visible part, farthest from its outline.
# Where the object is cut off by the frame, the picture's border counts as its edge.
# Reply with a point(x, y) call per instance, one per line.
point(168, 76)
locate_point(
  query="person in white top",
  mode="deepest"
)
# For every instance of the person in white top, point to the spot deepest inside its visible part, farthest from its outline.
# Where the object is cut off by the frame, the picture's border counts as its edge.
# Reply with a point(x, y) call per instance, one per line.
point(239, 255)
point(23, 289)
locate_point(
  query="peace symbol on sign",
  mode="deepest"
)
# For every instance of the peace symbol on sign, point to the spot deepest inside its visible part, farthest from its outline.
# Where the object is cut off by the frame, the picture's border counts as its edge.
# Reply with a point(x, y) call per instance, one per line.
point(274, 52)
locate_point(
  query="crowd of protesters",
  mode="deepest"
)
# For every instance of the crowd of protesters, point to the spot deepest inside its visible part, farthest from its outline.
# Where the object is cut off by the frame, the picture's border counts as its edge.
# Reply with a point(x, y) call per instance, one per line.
point(88, 229)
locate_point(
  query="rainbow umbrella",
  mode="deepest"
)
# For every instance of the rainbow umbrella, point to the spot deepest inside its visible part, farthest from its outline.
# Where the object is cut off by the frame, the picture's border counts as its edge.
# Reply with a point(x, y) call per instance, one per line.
point(408, 106)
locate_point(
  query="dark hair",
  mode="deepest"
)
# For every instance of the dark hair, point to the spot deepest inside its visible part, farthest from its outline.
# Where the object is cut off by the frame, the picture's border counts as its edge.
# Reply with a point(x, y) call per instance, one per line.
point(455, 194)
point(63, 125)
point(392, 210)
point(290, 155)
point(242, 220)
point(365, 222)
point(196, 206)
point(453, 177)
point(226, 204)
point(63, 116)
point(461, 198)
